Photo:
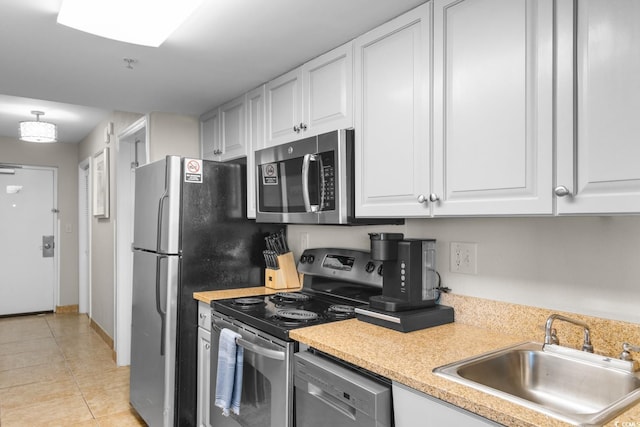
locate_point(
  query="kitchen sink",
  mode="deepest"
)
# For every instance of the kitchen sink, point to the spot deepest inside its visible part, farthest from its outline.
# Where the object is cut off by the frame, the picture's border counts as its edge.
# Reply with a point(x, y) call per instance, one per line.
point(576, 387)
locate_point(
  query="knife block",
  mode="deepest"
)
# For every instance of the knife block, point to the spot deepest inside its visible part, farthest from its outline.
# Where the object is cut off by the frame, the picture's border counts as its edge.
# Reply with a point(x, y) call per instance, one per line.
point(285, 277)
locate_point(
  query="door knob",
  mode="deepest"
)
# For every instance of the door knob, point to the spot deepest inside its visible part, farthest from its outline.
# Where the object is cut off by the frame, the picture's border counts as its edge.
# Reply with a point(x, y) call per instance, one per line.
point(422, 198)
point(561, 191)
point(296, 129)
point(303, 126)
point(433, 197)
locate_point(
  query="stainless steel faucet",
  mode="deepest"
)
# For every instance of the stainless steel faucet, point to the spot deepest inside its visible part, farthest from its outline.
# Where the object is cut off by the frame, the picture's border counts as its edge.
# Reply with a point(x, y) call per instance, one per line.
point(551, 338)
point(626, 351)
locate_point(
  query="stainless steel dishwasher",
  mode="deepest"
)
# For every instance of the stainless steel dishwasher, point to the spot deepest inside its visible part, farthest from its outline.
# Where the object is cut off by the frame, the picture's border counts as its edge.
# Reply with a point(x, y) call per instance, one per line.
point(329, 393)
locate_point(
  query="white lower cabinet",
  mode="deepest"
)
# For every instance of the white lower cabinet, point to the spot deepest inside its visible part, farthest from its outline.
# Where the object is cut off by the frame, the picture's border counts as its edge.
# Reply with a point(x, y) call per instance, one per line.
point(412, 408)
point(204, 361)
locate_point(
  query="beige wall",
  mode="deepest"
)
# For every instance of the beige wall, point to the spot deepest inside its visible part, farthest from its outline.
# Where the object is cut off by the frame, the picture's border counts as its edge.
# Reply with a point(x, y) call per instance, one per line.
point(64, 157)
point(587, 265)
point(168, 134)
point(173, 134)
point(103, 230)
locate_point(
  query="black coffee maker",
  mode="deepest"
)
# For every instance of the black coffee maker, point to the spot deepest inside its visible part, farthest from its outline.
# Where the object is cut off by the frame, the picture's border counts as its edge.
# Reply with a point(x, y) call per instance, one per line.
point(409, 285)
point(409, 276)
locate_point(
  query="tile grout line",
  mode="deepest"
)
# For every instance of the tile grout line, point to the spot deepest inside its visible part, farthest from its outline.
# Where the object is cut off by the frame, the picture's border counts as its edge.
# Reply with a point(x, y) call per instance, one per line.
point(73, 375)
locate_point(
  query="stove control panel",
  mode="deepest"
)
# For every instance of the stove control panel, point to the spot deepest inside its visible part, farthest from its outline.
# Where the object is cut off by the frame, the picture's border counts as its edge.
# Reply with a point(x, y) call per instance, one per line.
point(341, 264)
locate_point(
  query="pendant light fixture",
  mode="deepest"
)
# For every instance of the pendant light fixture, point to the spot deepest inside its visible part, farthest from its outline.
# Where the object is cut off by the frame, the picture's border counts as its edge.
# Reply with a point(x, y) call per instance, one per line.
point(37, 131)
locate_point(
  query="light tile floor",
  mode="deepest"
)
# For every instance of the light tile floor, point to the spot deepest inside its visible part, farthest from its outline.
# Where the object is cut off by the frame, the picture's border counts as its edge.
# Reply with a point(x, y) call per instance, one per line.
point(56, 371)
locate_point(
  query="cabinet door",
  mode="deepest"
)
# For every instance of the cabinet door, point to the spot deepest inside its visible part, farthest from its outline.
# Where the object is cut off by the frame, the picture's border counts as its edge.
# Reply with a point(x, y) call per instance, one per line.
point(210, 135)
point(256, 139)
point(493, 107)
point(233, 129)
point(203, 393)
point(328, 91)
point(392, 118)
point(284, 108)
point(598, 164)
point(410, 405)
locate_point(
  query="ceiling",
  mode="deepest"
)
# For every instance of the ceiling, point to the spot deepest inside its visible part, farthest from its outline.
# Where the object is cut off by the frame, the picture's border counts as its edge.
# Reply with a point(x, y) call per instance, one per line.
point(227, 47)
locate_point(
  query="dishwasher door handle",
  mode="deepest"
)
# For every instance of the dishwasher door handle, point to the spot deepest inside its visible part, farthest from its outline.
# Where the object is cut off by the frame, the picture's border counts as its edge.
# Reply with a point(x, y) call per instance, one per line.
point(326, 398)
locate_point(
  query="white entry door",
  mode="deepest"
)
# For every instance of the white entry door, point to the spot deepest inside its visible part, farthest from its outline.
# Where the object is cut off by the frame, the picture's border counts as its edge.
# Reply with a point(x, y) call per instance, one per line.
point(27, 260)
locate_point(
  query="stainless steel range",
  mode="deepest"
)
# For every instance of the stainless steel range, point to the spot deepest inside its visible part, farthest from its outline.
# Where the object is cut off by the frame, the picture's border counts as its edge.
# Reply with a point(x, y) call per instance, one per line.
point(335, 282)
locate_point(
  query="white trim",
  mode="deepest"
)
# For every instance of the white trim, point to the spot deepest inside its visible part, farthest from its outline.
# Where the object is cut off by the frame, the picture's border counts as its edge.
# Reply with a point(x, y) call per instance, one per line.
point(84, 235)
point(125, 155)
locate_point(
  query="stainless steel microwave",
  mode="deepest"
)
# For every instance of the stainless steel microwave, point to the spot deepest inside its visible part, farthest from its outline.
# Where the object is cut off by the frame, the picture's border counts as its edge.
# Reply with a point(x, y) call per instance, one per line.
point(309, 181)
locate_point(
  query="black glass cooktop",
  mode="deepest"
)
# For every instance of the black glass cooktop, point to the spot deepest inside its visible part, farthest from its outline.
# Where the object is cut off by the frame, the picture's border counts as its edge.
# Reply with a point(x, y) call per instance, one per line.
point(279, 313)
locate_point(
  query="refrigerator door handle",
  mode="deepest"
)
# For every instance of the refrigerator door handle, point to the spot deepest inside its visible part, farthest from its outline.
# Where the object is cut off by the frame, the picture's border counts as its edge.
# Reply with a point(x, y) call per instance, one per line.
point(162, 312)
point(160, 220)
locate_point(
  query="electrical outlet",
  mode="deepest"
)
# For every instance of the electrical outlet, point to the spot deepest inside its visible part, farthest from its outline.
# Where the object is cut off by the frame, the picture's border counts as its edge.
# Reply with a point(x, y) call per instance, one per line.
point(463, 258)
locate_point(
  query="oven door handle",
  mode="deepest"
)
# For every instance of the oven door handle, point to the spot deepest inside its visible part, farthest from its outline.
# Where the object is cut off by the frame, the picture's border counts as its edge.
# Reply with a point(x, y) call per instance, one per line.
point(255, 348)
point(306, 161)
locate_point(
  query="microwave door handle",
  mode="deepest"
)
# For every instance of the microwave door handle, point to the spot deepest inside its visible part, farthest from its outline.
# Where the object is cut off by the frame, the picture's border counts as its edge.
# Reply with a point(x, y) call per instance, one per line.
point(308, 158)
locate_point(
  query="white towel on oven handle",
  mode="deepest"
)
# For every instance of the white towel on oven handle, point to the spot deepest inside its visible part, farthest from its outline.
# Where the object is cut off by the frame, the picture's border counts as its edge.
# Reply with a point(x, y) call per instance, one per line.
point(229, 374)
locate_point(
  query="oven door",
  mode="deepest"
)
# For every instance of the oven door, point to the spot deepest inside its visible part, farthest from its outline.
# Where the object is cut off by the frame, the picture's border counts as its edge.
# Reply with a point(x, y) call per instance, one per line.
point(267, 380)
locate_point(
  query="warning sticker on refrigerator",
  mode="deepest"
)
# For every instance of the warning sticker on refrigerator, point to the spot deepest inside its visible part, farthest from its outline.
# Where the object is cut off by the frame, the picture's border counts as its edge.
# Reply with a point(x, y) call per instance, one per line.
point(270, 174)
point(193, 170)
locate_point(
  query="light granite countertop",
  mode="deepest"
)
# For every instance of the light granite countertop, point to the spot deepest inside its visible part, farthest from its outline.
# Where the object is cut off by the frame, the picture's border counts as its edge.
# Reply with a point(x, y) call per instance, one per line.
point(409, 358)
point(481, 326)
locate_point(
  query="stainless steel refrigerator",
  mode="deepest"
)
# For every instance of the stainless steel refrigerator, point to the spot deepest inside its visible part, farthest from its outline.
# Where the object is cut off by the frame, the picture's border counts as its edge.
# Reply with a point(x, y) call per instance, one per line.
point(190, 234)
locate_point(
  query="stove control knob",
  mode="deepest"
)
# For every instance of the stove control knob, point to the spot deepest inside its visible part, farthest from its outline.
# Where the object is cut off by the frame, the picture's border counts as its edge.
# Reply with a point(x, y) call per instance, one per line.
point(369, 267)
point(303, 259)
point(310, 259)
point(380, 271)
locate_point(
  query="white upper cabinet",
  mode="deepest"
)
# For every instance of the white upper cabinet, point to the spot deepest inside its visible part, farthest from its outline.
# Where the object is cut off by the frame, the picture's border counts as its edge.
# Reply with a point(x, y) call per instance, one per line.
point(284, 107)
point(233, 129)
point(223, 131)
point(493, 107)
point(392, 118)
point(327, 91)
point(256, 139)
point(314, 98)
point(598, 143)
point(210, 135)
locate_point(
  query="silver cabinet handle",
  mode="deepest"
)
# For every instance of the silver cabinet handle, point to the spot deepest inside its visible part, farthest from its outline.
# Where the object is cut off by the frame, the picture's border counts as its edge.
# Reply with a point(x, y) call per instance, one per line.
point(207, 346)
point(296, 129)
point(303, 126)
point(421, 198)
point(561, 191)
point(433, 197)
